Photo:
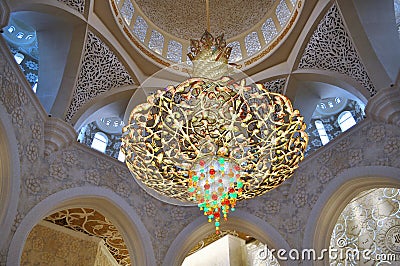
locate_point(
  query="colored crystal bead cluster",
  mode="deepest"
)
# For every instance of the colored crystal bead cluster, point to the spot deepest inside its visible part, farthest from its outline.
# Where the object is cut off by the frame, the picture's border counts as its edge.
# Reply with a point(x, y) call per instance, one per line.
point(215, 185)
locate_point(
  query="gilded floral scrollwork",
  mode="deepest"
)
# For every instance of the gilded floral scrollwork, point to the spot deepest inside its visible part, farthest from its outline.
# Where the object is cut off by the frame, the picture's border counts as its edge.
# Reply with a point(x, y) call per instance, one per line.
point(93, 223)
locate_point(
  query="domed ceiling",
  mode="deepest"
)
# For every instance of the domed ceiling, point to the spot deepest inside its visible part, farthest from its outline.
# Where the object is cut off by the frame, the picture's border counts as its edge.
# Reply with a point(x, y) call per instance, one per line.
point(187, 19)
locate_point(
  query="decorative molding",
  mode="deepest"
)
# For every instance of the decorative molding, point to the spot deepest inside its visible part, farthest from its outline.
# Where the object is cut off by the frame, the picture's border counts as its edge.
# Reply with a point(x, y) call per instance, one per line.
point(385, 105)
point(100, 71)
point(78, 5)
point(142, 48)
point(330, 48)
point(4, 13)
point(26, 114)
point(232, 18)
point(277, 40)
point(57, 135)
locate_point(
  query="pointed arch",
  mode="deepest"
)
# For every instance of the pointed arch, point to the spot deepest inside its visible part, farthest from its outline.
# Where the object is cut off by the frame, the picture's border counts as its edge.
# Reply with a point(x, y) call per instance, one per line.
point(339, 192)
point(103, 200)
point(238, 220)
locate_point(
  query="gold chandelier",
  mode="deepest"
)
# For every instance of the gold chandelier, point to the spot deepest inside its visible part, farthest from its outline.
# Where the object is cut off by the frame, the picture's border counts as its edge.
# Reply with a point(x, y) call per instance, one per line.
point(212, 140)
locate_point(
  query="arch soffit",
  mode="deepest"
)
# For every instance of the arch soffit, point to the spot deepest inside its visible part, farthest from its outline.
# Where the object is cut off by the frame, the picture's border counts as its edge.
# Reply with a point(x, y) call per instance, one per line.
point(375, 36)
point(55, 8)
point(75, 18)
point(103, 200)
point(238, 220)
point(334, 79)
point(339, 192)
point(9, 174)
point(113, 103)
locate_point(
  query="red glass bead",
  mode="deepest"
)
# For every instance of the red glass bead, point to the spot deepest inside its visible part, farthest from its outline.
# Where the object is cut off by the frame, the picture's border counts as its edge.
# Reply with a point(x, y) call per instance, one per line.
point(207, 186)
point(212, 172)
point(237, 168)
point(214, 196)
point(202, 163)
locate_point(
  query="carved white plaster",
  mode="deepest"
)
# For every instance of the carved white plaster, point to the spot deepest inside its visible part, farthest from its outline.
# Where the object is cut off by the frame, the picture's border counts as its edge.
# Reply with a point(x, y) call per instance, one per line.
point(330, 48)
point(99, 72)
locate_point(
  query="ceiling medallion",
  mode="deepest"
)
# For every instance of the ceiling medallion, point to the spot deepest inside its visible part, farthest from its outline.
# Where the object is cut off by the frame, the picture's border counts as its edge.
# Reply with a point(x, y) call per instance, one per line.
point(211, 139)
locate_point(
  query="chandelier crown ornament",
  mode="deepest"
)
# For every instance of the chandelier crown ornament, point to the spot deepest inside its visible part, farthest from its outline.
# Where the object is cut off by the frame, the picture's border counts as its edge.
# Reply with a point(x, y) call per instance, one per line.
point(209, 56)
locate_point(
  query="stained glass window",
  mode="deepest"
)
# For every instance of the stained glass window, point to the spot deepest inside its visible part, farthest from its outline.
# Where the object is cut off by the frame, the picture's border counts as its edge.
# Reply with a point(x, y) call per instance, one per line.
point(269, 30)
point(140, 28)
point(282, 12)
point(156, 42)
point(127, 11)
point(252, 43)
point(236, 53)
point(174, 52)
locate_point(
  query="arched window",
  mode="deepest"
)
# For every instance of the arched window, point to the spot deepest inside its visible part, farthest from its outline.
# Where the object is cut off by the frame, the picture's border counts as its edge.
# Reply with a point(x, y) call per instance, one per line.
point(100, 141)
point(19, 58)
point(156, 42)
point(252, 43)
point(322, 132)
point(121, 156)
point(174, 52)
point(346, 120)
point(236, 53)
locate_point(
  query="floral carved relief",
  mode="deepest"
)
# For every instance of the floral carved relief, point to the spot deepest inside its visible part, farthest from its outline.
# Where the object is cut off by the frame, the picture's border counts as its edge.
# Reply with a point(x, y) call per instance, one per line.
point(46, 246)
point(330, 48)
point(78, 5)
point(100, 71)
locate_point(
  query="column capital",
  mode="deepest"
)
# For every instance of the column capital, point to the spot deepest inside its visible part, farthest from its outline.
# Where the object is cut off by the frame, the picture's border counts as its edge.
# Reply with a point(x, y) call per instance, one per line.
point(385, 105)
